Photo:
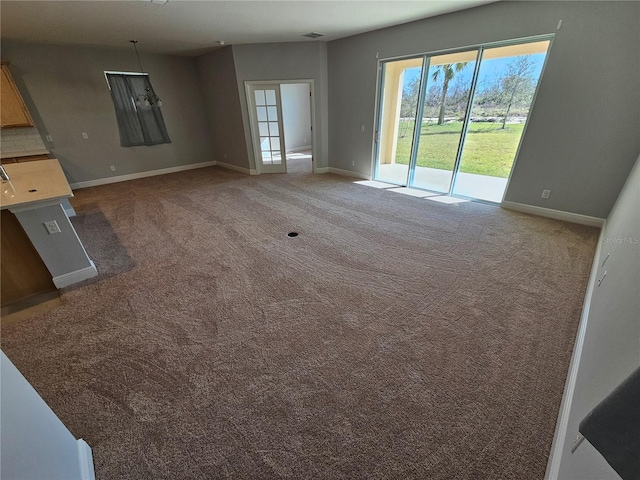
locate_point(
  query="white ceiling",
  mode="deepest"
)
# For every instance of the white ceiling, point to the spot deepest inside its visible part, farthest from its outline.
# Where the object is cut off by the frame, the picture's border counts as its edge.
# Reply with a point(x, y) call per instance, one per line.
point(186, 27)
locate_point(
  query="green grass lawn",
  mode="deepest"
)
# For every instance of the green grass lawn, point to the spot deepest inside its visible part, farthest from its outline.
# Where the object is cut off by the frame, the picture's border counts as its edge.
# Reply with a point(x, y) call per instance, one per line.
point(488, 149)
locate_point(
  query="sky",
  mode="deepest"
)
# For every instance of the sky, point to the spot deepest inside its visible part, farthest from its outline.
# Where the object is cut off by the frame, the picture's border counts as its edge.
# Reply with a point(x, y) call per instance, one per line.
point(489, 69)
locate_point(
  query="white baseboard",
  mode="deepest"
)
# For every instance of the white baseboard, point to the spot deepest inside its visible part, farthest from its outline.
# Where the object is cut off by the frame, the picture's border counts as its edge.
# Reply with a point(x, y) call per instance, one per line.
point(235, 168)
point(555, 214)
point(70, 278)
point(70, 212)
point(344, 173)
point(134, 176)
point(86, 461)
point(321, 170)
point(560, 436)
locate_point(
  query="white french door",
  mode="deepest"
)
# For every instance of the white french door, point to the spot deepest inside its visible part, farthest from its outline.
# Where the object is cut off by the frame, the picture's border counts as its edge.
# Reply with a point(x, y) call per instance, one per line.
point(265, 111)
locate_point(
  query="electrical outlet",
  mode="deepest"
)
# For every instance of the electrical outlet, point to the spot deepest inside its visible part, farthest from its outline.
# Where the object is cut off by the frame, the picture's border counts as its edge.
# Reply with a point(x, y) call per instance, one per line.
point(85, 135)
point(353, 163)
point(225, 156)
point(113, 169)
point(546, 193)
point(49, 138)
point(52, 227)
point(362, 128)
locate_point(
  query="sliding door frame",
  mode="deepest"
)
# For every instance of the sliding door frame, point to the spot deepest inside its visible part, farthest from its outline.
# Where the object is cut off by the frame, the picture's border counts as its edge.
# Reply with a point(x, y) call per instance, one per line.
point(480, 48)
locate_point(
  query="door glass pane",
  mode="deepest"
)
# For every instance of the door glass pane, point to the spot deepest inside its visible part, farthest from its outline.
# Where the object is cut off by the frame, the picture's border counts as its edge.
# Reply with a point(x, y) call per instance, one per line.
point(265, 145)
point(507, 81)
point(260, 100)
point(445, 103)
point(271, 97)
point(264, 129)
point(273, 129)
point(272, 114)
point(275, 143)
point(398, 108)
point(262, 114)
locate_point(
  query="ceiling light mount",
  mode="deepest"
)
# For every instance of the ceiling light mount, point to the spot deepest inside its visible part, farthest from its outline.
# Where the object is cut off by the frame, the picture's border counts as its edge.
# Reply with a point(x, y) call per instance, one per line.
point(221, 42)
point(313, 35)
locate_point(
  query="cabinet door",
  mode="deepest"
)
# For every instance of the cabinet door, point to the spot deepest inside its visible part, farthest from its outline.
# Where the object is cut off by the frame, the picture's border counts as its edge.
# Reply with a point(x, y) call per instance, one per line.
point(23, 273)
point(13, 111)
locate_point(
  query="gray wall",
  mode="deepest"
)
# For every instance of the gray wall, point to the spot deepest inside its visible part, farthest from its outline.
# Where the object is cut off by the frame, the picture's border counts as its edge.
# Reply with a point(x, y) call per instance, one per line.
point(612, 338)
point(296, 115)
point(222, 102)
point(582, 138)
point(286, 61)
point(66, 92)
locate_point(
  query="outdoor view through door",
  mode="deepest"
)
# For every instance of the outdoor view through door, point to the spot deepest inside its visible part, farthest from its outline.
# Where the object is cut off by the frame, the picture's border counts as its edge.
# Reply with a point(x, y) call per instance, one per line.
point(473, 107)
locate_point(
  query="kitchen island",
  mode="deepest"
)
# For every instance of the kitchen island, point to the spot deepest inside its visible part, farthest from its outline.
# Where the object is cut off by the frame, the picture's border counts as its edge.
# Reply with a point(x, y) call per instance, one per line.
point(31, 201)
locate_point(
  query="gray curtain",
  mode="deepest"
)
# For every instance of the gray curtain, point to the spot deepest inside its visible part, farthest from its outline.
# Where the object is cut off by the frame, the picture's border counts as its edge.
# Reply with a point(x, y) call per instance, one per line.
point(138, 125)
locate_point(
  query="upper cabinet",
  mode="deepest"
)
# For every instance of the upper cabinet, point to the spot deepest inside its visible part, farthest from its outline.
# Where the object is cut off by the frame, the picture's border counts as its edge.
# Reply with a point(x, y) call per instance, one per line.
point(13, 111)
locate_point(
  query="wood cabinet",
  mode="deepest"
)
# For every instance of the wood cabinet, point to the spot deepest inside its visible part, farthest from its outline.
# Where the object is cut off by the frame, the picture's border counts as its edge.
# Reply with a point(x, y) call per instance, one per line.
point(24, 274)
point(26, 158)
point(13, 111)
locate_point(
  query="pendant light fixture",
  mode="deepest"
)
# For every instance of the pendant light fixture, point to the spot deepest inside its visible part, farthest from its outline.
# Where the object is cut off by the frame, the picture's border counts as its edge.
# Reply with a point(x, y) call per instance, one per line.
point(149, 98)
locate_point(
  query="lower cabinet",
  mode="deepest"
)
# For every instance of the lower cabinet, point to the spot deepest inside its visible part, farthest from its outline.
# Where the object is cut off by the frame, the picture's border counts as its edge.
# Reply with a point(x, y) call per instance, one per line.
point(23, 272)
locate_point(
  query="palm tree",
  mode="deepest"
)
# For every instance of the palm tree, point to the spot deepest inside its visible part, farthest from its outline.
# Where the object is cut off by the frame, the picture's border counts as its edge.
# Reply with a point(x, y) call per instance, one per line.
point(448, 71)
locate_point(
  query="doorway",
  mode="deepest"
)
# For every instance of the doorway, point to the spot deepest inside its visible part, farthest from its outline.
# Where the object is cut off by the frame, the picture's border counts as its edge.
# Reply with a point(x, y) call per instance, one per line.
point(296, 117)
point(281, 120)
point(452, 122)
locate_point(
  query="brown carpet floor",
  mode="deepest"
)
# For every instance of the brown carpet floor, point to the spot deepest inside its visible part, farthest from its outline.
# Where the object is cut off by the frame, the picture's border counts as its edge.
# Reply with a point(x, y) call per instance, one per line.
point(395, 337)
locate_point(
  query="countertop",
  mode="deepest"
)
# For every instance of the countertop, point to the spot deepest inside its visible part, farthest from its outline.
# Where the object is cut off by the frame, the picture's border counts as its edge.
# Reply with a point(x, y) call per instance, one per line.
point(31, 182)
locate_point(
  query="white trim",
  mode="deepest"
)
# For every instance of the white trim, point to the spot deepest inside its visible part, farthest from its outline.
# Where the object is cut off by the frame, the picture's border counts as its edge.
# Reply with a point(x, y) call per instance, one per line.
point(134, 176)
point(322, 170)
point(559, 438)
point(70, 212)
point(76, 276)
point(348, 173)
point(86, 460)
point(236, 168)
point(555, 214)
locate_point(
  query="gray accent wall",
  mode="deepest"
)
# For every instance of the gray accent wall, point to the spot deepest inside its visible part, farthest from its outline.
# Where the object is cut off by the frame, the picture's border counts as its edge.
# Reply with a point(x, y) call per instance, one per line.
point(582, 138)
point(286, 61)
point(66, 92)
point(219, 85)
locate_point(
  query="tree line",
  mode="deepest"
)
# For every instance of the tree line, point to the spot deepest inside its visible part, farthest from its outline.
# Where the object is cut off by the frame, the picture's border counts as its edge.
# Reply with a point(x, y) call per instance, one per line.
point(508, 93)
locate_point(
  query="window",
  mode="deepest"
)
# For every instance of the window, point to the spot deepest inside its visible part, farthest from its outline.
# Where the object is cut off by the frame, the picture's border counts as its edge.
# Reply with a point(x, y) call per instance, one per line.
point(139, 122)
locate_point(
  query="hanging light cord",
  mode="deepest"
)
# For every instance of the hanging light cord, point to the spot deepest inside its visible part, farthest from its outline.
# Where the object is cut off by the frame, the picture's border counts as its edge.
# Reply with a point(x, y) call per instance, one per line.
point(137, 55)
point(150, 97)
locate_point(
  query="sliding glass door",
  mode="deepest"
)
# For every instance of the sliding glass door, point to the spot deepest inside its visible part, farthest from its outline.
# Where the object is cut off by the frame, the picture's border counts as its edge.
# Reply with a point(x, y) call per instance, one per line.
point(506, 84)
point(398, 108)
point(445, 104)
point(452, 123)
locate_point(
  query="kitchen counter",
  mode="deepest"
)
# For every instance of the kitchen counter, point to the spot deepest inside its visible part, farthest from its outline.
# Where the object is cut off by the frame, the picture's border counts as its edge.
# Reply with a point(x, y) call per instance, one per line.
point(34, 194)
point(31, 182)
